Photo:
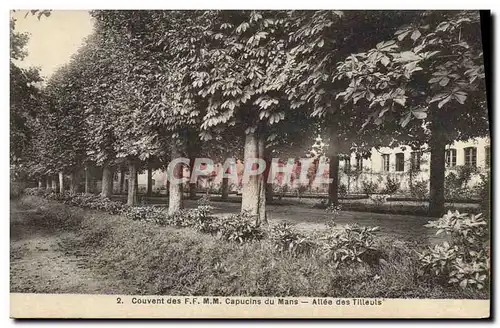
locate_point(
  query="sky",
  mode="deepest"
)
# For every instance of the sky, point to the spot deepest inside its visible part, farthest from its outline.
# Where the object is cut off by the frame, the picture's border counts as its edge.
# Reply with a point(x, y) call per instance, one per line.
point(53, 39)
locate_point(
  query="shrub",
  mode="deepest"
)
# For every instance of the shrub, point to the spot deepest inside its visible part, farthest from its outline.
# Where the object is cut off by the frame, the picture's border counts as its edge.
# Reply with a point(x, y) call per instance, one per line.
point(35, 192)
point(287, 239)
point(201, 219)
point(342, 190)
point(151, 214)
point(419, 189)
point(204, 200)
point(456, 183)
point(334, 210)
point(378, 200)
point(464, 261)
point(369, 187)
point(301, 189)
point(392, 185)
point(81, 200)
point(351, 244)
point(239, 228)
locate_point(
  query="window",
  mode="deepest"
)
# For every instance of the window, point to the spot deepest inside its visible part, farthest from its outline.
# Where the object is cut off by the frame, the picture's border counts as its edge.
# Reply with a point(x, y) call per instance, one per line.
point(487, 156)
point(416, 158)
point(470, 156)
point(400, 162)
point(451, 157)
point(359, 163)
point(347, 164)
point(385, 162)
point(152, 182)
point(115, 176)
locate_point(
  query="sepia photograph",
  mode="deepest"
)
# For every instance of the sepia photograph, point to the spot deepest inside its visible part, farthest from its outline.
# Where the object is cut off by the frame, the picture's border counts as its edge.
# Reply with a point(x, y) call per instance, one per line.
point(250, 163)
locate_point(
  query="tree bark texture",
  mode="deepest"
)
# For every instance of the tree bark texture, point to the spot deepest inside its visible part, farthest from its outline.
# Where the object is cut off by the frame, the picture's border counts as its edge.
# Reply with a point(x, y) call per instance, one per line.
point(107, 181)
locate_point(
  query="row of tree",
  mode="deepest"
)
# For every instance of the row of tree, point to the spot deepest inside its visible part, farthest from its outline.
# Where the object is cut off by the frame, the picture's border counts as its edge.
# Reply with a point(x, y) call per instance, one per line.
point(150, 86)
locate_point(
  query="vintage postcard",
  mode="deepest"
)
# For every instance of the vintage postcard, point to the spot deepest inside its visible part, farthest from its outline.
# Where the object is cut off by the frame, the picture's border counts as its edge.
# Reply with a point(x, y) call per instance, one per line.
point(250, 164)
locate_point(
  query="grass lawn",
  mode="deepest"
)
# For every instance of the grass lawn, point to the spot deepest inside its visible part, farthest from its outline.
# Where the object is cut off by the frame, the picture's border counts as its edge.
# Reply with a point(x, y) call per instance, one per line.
point(57, 248)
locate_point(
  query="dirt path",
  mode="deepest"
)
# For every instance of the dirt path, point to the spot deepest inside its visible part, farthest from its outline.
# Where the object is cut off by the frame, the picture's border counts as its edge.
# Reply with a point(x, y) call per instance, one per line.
point(38, 264)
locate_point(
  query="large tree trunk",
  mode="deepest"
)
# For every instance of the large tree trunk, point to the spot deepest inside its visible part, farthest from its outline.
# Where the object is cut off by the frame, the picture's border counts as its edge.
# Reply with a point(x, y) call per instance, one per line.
point(262, 218)
point(268, 186)
point(333, 157)
point(48, 182)
point(437, 174)
point(253, 192)
point(54, 183)
point(75, 181)
point(269, 192)
point(175, 189)
point(193, 150)
point(192, 186)
point(61, 182)
point(136, 181)
point(88, 182)
point(333, 187)
point(41, 182)
point(107, 181)
point(150, 182)
point(132, 186)
point(122, 180)
point(192, 190)
point(225, 189)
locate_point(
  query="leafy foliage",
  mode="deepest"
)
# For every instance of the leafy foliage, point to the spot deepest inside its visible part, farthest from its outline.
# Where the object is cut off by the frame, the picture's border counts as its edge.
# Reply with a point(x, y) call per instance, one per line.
point(419, 189)
point(456, 183)
point(369, 187)
point(82, 200)
point(151, 214)
point(392, 185)
point(351, 244)
point(239, 228)
point(287, 240)
point(464, 261)
point(25, 98)
point(430, 68)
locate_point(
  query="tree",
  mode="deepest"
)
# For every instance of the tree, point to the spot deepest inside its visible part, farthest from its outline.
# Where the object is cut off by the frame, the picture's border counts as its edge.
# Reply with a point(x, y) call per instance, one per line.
point(237, 72)
point(319, 40)
point(25, 98)
point(154, 118)
point(432, 71)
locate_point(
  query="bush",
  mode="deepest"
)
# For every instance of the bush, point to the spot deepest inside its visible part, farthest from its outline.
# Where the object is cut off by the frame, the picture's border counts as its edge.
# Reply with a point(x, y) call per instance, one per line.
point(419, 189)
point(239, 228)
point(369, 187)
point(198, 218)
point(301, 189)
point(379, 200)
point(351, 244)
point(151, 214)
point(287, 239)
point(36, 192)
point(342, 190)
point(392, 185)
point(464, 261)
point(456, 184)
point(82, 200)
